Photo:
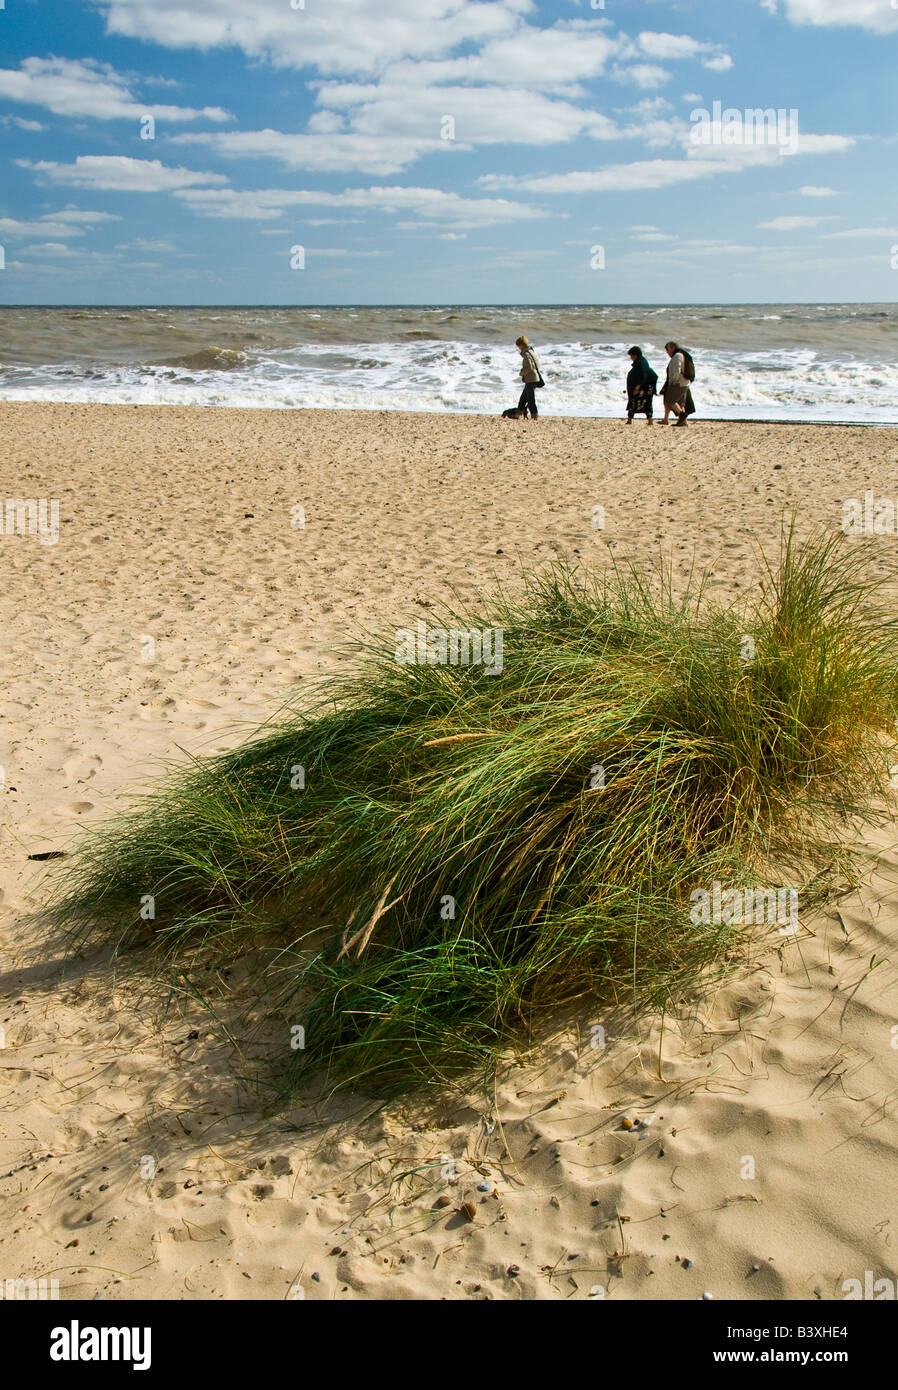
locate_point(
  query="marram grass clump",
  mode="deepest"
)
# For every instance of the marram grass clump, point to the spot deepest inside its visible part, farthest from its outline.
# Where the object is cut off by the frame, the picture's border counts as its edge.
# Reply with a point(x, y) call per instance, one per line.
point(447, 857)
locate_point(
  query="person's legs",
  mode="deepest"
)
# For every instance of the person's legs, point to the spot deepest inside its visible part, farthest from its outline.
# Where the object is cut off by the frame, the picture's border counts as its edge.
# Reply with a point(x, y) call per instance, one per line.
point(530, 393)
point(525, 403)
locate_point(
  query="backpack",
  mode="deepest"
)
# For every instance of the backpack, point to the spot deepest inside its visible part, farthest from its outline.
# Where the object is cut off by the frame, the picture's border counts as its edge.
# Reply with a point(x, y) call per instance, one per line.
point(688, 365)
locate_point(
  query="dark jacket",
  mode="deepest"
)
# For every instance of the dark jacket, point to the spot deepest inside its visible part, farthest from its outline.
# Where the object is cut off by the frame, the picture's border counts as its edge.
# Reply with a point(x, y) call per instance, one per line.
point(641, 377)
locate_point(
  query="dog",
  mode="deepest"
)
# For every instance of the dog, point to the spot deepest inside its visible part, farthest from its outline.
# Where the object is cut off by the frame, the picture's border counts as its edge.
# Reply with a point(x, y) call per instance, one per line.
point(513, 414)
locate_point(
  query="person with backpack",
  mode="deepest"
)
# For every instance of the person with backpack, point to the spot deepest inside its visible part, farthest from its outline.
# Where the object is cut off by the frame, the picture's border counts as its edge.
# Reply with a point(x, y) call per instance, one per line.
point(676, 393)
point(642, 383)
point(532, 378)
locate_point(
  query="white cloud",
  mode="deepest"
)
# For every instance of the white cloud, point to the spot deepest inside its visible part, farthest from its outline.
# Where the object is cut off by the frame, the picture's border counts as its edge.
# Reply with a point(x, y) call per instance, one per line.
point(85, 215)
point(862, 232)
point(154, 244)
point(810, 190)
point(539, 59)
point(68, 223)
point(700, 162)
point(12, 227)
point(337, 153)
point(617, 178)
point(88, 89)
point(671, 47)
point(394, 124)
point(339, 251)
point(718, 248)
point(482, 115)
point(791, 224)
point(341, 36)
point(120, 173)
point(643, 74)
point(21, 123)
point(345, 37)
point(50, 248)
point(875, 15)
point(737, 156)
point(433, 204)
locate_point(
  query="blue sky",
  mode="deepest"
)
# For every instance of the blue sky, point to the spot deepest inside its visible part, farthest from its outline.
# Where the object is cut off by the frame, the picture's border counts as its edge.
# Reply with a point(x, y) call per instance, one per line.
point(440, 151)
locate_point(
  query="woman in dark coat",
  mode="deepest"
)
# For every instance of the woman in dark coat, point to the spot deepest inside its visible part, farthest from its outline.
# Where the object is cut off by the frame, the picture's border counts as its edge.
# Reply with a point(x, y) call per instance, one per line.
point(642, 383)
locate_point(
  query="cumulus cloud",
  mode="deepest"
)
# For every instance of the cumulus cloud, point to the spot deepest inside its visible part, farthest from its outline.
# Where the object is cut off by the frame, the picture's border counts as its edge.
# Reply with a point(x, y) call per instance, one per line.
point(559, 58)
point(392, 125)
point(342, 36)
point(68, 223)
point(614, 178)
point(645, 75)
point(700, 162)
point(862, 233)
point(88, 89)
point(432, 204)
point(120, 173)
point(482, 115)
point(337, 153)
point(875, 15)
point(792, 224)
point(50, 248)
point(649, 233)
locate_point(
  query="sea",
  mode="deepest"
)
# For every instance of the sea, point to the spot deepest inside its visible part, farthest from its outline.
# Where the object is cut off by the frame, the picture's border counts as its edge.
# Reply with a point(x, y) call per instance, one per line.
point(797, 362)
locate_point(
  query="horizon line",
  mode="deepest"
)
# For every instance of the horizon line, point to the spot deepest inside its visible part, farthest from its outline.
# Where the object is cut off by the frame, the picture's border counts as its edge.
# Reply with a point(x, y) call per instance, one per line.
point(474, 304)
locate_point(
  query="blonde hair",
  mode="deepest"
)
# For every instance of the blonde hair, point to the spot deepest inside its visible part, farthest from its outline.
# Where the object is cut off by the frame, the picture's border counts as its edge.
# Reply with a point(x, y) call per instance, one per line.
point(521, 342)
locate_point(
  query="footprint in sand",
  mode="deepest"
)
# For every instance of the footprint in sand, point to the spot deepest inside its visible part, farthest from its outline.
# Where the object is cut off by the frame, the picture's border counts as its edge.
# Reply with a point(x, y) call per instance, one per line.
point(75, 808)
point(82, 767)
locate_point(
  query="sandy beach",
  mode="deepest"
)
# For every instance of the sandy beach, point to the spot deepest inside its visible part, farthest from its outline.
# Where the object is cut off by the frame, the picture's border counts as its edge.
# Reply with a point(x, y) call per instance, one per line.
point(207, 562)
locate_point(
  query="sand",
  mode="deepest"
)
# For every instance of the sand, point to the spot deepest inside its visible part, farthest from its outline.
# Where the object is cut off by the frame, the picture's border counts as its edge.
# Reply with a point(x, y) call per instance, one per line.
point(180, 607)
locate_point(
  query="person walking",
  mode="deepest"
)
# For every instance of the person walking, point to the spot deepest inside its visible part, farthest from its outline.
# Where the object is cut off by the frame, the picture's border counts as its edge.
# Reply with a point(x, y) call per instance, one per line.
point(676, 384)
point(642, 383)
point(531, 376)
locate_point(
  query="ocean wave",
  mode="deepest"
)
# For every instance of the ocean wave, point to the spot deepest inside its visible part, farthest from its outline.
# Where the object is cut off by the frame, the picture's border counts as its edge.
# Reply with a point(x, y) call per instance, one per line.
point(279, 359)
point(212, 358)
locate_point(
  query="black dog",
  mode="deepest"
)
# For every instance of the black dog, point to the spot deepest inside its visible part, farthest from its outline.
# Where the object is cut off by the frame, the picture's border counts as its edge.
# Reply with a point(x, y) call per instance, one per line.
point(513, 414)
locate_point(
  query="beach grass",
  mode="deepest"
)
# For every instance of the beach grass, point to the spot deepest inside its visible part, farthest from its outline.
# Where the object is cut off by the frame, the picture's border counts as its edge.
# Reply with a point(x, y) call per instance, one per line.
point(443, 858)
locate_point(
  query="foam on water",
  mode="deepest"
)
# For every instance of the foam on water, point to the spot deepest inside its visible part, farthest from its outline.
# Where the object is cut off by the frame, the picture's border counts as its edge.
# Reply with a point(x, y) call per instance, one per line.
point(754, 365)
